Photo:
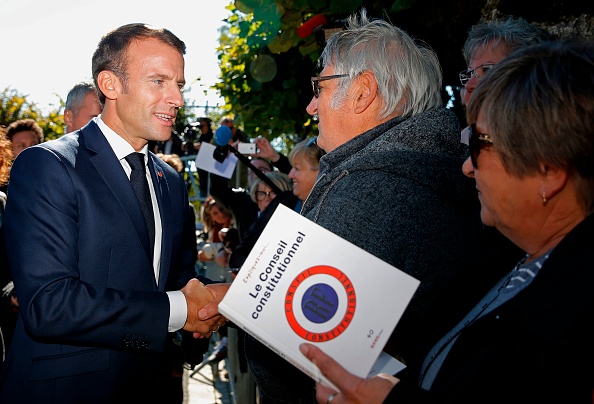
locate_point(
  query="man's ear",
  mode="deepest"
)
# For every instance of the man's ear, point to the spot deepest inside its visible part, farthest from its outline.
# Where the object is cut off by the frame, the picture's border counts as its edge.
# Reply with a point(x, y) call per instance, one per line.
point(108, 84)
point(68, 115)
point(366, 91)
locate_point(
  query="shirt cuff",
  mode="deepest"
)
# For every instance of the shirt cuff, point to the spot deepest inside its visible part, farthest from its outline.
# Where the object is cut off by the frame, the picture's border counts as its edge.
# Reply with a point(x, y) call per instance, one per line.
point(178, 310)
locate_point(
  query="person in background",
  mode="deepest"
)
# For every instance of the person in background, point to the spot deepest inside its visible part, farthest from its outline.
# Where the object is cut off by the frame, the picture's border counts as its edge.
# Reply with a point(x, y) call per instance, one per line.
point(173, 160)
point(390, 182)
point(81, 106)
point(261, 193)
point(534, 171)
point(304, 158)
point(214, 218)
point(487, 44)
point(264, 150)
point(112, 271)
point(8, 301)
point(173, 145)
point(237, 134)
point(22, 134)
point(206, 136)
point(263, 196)
point(238, 200)
point(239, 179)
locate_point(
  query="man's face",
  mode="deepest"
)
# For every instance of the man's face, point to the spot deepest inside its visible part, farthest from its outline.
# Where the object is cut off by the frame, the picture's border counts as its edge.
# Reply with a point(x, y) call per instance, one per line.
point(260, 165)
point(88, 110)
point(333, 126)
point(231, 126)
point(146, 107)
point(22, 140)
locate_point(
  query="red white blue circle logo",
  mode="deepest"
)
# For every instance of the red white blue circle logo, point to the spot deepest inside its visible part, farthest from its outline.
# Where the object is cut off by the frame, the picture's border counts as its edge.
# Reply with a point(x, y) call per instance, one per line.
point(320, 303)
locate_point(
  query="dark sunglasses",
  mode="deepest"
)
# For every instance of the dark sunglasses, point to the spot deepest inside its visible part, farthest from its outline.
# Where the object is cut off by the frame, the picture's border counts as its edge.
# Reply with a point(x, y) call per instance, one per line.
point(476, 142)
point(315, 82)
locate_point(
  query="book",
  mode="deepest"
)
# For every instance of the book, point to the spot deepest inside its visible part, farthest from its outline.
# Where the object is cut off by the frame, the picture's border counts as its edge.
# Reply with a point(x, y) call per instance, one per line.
point(302, 283)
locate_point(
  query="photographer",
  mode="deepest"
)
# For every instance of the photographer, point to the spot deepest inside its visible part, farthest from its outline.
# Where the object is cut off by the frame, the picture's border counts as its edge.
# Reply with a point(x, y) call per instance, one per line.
point(172, 146)
point(195, 133)
point(192, 142)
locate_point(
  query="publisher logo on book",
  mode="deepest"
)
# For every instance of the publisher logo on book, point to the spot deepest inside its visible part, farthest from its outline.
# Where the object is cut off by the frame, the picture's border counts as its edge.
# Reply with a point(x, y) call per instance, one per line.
point(320, 303)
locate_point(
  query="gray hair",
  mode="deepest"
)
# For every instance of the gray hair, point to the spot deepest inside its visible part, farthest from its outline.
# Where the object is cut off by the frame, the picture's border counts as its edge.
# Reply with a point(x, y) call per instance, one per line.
point(512, 33)
point(534, 124)
point(407, 72)
point(76, 96)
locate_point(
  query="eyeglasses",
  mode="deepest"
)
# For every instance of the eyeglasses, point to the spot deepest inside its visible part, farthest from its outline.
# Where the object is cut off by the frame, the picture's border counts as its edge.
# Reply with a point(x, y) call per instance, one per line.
point(315, 82)
point(478, 72)
point(262, 196)
point(476, 142)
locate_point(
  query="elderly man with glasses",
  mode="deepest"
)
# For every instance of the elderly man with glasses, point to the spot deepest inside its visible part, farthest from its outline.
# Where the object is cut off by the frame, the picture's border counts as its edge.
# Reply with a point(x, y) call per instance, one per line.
point(390, 182)
point(488, 43)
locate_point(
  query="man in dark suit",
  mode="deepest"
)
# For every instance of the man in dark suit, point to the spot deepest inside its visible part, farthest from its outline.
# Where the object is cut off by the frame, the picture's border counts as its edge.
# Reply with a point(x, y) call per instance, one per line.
point(98, 273)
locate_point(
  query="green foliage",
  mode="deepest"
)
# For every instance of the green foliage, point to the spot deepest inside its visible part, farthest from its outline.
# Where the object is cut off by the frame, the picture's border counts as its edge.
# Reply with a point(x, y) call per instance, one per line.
point(14, 106)
point(266, 68)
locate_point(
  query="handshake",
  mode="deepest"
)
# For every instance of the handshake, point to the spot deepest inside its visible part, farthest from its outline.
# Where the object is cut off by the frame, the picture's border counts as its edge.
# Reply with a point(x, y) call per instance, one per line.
point(203, 307)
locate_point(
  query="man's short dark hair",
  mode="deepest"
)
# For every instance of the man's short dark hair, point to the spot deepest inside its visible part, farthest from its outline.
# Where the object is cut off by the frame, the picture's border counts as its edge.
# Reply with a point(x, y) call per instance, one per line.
point(111, 50)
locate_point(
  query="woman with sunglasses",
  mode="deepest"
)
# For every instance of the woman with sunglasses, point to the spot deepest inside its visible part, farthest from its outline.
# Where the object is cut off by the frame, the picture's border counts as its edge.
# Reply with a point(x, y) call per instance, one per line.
point(530, 337)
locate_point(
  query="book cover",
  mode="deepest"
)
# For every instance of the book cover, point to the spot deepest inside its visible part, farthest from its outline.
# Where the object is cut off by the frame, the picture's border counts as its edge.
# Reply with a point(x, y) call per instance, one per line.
point(302, 283)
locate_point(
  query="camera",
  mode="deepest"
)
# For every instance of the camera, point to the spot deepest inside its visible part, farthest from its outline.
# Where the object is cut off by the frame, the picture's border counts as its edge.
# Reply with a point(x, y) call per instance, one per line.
point(192, 132)
point(246, 148)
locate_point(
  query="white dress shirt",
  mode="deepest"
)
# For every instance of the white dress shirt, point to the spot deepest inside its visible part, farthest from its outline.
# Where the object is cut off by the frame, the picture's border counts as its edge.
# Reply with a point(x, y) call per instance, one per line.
point(178, 310)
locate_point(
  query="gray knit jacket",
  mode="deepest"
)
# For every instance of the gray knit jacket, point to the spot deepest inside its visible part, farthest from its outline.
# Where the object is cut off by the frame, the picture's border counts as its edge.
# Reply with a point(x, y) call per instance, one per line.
point(398, 192)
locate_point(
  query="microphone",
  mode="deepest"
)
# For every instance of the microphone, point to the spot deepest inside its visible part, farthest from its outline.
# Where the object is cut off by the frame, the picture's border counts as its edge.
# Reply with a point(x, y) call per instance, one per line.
point(223, 135)
point(221, 138)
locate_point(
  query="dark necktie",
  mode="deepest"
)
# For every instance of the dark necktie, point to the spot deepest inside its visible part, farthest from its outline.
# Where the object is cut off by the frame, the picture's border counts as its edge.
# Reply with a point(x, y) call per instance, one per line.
point(141, 188)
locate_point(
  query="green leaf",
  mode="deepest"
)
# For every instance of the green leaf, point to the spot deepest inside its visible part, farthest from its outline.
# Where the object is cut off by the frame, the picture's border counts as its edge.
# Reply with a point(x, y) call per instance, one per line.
point(344, 6)
point(400, 5)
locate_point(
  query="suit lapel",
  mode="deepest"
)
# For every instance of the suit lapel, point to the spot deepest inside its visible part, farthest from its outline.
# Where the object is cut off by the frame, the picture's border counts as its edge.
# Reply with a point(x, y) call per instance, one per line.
point(110, 170)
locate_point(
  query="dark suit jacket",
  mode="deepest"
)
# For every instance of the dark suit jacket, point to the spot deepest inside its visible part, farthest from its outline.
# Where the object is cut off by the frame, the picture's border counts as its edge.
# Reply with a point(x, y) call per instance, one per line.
point(93, 321)
point(535, 348)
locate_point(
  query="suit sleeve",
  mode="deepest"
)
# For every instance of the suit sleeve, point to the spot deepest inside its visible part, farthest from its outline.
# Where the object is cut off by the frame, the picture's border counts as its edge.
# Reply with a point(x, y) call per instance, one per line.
point(74, 288)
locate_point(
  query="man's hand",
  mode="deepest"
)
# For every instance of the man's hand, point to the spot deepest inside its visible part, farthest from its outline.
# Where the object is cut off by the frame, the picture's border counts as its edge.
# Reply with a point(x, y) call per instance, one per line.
point(197, 296)
point(265, 150)
point(352, 389)
point(211, 310)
